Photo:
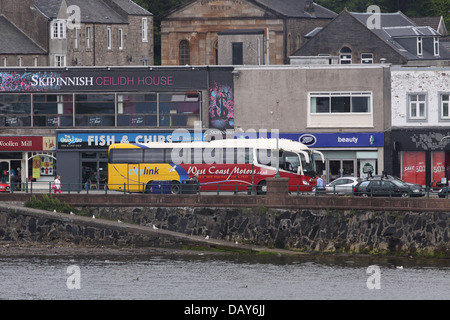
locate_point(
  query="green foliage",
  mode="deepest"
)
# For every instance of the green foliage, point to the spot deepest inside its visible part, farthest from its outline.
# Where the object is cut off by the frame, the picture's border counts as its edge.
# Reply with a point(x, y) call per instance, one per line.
point(49, 203)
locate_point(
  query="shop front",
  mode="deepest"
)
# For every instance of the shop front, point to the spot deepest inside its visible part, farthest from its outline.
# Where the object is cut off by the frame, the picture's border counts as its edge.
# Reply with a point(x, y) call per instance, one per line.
point(83, 155)
point(346, 154)
point(27, 159)
point(420, 156)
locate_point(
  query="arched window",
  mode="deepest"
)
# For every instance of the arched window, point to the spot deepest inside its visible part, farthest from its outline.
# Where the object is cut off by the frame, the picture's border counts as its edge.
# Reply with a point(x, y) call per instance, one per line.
point(184, 52)
point(345, 55)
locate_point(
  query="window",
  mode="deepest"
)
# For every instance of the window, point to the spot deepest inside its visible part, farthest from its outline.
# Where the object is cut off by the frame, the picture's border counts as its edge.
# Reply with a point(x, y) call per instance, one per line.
point(367, 58)
point(94, 110)
point(19, 61)
point(340, 102)
point(436, 46)
point(184, 52)
point(36, 61)
point(417, 107)
point(88, 37)
point(60, 60)
point(445, 106)
point(15, 110)
point(144, 30)
point(419, 46)
point(76, 38)
point(59, 29)
point(109, 38)
point(51, 110)
point(4, 62)
point(345, 55)
point(120, 38)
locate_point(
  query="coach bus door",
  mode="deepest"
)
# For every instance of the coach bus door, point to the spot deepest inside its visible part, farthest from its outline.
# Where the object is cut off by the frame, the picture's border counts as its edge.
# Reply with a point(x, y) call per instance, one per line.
point(134, 178)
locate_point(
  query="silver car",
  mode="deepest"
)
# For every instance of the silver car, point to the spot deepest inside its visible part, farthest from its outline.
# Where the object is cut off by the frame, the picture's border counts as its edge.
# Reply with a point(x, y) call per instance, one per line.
point(342, 185)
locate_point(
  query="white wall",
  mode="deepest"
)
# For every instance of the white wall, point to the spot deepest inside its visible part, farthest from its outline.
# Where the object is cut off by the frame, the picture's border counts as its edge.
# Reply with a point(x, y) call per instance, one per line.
point(432, 81)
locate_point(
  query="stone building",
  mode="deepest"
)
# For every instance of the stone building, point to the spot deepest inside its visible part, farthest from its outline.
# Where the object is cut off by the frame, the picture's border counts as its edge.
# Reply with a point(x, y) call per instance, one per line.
point(366, 38)
point(64, 33)
point(191, 32)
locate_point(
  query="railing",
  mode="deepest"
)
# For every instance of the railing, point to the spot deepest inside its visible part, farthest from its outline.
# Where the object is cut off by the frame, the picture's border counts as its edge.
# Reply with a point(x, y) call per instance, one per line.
point(190, 188)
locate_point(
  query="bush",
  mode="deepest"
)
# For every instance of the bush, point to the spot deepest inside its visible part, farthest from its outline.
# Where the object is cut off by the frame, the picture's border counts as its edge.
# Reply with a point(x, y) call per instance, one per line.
point(50, 204)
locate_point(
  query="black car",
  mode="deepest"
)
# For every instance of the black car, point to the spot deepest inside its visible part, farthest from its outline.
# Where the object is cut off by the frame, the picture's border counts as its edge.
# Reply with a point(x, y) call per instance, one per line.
point(386, 188)
point(444, 192)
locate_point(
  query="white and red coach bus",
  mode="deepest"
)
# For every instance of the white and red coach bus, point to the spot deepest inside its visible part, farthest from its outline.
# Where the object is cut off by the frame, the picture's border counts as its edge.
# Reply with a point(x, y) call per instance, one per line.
point(229, 164)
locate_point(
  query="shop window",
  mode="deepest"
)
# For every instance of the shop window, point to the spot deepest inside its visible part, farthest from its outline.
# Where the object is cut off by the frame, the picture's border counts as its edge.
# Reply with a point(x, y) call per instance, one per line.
point(15, 110)
point(51, 110)
point(92, 110)
point(413, 167)
point(179, 110)
point(137, 110)
point(417, 108)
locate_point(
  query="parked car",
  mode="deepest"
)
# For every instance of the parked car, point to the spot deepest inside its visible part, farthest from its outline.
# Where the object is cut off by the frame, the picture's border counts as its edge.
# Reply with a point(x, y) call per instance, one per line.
point(4, 187)
point(389, 177)
point(444, 192)
point(343, 185)
point(386, 188)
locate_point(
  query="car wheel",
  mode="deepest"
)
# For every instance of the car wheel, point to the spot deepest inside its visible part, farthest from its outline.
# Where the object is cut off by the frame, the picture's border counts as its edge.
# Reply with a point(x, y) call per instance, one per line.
point(405, 195)
point(364, 195)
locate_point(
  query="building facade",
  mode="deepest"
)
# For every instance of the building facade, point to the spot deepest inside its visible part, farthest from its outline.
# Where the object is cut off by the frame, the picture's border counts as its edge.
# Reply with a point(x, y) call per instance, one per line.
point(418, 146)
point(190, 32)
point(64, 33)
point(342, 111)
point(61, 121)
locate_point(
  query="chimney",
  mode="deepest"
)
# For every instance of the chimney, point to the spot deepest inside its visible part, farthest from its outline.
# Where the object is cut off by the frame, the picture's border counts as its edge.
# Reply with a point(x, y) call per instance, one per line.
point(309, 6)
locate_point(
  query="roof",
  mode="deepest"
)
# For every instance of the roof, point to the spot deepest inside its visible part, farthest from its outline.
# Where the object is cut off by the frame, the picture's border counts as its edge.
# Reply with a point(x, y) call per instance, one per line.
point(436, 23)
point(14, 41)
point(296, 9)
point(131, 7)
point(284, 8)
point(396, 30)
point(92, 11)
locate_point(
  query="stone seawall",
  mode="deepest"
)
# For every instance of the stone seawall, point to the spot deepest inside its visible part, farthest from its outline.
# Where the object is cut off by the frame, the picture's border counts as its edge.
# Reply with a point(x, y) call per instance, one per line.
point(305, 230)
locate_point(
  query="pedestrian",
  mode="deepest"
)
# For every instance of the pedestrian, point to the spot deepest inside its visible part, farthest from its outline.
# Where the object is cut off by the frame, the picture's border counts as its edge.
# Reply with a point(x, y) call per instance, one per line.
point(320, 188)
point(57, 184)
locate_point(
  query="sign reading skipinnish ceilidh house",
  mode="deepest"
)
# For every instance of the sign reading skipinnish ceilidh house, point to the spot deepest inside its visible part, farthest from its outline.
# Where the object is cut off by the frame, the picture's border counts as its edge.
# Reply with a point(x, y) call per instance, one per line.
point(103, 79)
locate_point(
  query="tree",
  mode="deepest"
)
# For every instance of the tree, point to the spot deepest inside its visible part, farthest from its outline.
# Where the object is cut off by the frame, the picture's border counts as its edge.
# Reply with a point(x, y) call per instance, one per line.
point(157, 8)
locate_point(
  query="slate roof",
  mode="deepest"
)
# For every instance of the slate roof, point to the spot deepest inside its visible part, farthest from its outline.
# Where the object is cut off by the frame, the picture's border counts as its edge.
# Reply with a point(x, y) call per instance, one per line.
point(396, 28)
point(14, 41)
point(296, 9)
point(399, 32)
point(131, 8)
point(92, 11)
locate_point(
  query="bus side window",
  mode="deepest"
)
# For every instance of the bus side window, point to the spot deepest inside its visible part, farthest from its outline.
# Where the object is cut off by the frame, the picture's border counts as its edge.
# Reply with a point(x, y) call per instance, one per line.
point(126, 155)
point(153, 155)
point(265, 157)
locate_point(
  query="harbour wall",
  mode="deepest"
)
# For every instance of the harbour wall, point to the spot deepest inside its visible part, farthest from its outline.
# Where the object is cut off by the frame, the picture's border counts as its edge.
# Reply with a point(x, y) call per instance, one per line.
point(299, 230)
point(406, 226)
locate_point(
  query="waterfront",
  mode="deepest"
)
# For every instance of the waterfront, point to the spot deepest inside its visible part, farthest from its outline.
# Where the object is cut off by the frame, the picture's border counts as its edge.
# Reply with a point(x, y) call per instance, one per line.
point(205, 276)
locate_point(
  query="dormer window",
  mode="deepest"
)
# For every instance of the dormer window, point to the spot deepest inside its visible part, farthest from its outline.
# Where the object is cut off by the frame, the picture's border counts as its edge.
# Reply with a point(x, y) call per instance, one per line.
point(59, 29)
point(436, 46)
point(419, 46)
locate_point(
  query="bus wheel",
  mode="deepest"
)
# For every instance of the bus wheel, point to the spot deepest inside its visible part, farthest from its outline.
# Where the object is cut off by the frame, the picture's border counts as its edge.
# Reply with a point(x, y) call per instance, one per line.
point(262, 188)
point(148, 187)
point(175, 188)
